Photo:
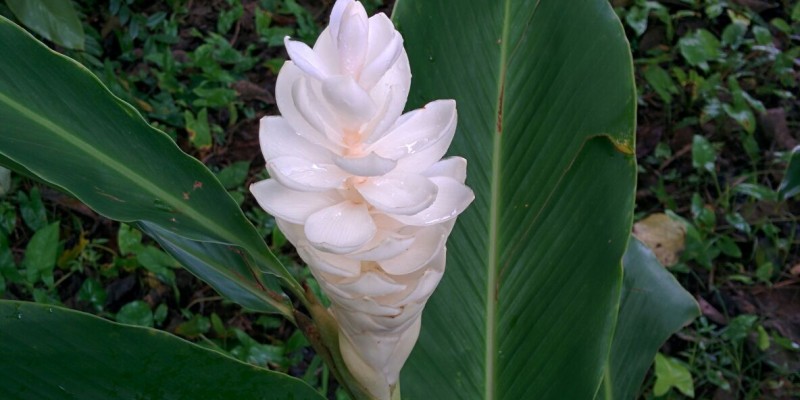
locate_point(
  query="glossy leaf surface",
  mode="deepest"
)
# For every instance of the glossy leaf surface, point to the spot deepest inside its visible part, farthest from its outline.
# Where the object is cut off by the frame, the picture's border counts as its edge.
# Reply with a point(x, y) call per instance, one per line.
point(546, 101)
point(54, 353)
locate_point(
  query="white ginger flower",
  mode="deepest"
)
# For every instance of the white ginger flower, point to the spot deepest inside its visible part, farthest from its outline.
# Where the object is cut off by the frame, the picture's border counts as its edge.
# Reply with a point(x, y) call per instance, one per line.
point(360, 188)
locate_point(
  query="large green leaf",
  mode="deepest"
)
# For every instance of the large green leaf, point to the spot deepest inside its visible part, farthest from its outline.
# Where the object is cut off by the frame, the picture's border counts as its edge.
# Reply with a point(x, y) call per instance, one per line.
point(55, 20)
point(546, 102)
point(63, 126)
point(54, 353)
point(653, 306)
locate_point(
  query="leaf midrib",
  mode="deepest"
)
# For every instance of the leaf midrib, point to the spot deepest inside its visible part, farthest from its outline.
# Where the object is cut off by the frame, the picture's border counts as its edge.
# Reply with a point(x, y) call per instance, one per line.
point(491, 279)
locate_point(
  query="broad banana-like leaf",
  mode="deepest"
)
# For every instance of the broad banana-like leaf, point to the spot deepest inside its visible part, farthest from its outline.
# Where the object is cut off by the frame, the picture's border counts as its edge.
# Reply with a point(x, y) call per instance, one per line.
point(528, 305)
point(49, 352)
point(653, 306)
point(62, 125)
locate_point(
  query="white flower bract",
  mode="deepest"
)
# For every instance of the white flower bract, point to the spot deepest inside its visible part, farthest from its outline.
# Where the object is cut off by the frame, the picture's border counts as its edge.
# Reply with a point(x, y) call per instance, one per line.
point(360, 188)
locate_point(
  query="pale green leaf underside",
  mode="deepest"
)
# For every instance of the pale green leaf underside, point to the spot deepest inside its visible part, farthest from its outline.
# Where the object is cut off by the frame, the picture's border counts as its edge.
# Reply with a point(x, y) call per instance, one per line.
point(546, 106)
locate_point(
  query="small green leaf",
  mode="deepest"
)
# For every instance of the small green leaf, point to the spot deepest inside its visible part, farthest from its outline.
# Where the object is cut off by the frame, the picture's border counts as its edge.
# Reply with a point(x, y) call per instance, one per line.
point(703, 154)
point(256, 353)
point(762, 35)
point(714, 10)
point(32, 209)
point(699, 48)
point(54, 20)
point(729, 247)
point(198, 129)
point(636, 18)
point(234, 175)
point(763, 338)
point(136, 313)
point(781, 25)
point(129, 239)
point(194, 327)
point(92, 292)
point(40, 255)
point(160, 314)
point(672, 373)
point(733, 34)
point(158, 262)
point(738, 222)
point(796, 12)
point(790, 185)
point(739, 327)
point(756, 191)
point(765, 271)
point(661, 82)
point(742, 114)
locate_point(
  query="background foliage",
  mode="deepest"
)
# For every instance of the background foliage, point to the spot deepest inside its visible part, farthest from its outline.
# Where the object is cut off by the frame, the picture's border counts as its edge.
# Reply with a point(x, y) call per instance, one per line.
point(718, 116)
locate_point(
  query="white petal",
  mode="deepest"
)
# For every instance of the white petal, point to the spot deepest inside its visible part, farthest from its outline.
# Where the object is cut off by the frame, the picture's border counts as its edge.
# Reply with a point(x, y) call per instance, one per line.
point(401, 352)
point(369, 165)
point(278, 139)
point(418, 130)
point(306, 175)
point(306, 59)
point(328, 263)
point(293, 232)
point(385, 47)
point(326, 125)
point(428, 244)
point(370, 284)
point(453, 197)
point(326, 50)
point(391, 324)
point(288, 204)
point(391, 93)
point(336, 16)
point(351, 39)
point(373, 379)
point(385, 245)
point(351, 104)
point(340, 229)
point(402, 194)
point(452, 167)
point(292, 91)
point(421, 284)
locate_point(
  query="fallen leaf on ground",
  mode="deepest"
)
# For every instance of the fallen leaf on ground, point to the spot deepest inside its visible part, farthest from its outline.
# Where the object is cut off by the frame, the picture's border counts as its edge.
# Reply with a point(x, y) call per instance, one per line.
point(665, 236)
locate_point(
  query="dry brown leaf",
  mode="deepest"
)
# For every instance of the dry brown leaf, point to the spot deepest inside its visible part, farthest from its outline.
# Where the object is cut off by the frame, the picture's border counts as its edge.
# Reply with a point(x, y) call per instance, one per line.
point(665, 236)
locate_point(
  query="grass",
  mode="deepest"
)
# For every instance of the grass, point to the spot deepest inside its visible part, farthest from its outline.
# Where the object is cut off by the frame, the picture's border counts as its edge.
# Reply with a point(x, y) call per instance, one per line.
point(718, 115)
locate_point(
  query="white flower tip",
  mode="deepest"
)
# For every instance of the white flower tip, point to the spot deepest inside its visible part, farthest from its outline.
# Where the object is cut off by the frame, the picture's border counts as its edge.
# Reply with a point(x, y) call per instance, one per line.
point(306, 59)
